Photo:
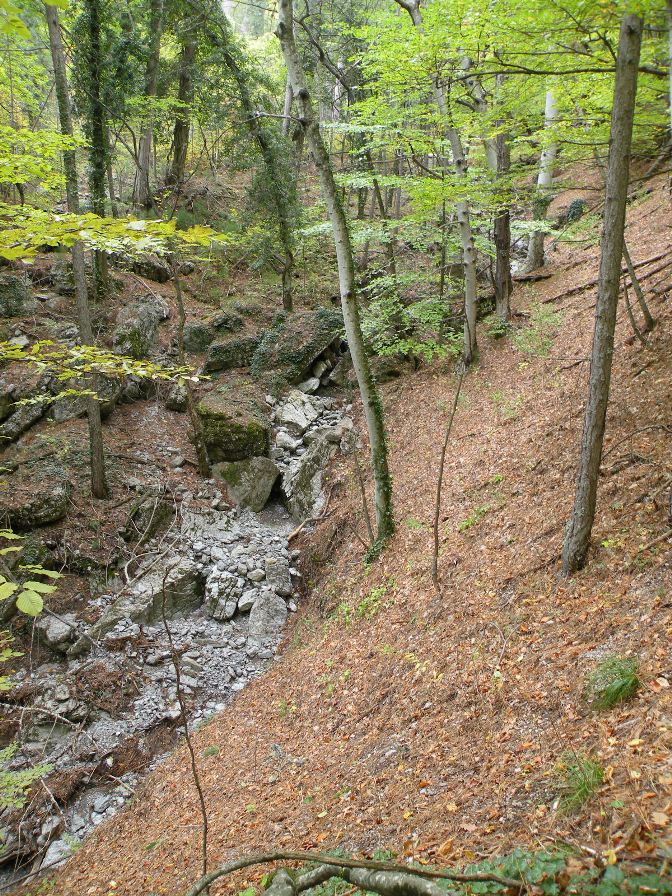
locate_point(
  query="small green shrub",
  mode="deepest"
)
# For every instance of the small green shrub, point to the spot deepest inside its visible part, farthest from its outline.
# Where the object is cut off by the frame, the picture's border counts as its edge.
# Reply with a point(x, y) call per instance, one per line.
point(579, 776)
point(537, 338)
point(614, 680)
point(474, 517)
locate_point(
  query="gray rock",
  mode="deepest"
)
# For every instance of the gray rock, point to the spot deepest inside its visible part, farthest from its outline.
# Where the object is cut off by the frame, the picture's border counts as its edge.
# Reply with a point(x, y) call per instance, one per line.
point(15, 297)
point(26, 507)
point(247, 601)
point(303, 483)
point(295, 341)
point(177, 398)
point(233, 426)
point(21, 420)
point(256, 575)
point(297, 412)
point(137, 326)
point(310, 385)
point(152, 267)
point(222, 595)
point(248, 482)
point(59, 851)
point(108, 390)
point(57, 633)
point(278, 576)
point(231, 353)
point(286, 441)
point(267, 617)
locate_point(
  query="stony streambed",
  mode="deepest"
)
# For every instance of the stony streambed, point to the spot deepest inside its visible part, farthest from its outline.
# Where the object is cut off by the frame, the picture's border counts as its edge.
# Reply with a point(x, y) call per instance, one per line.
point(223, 580)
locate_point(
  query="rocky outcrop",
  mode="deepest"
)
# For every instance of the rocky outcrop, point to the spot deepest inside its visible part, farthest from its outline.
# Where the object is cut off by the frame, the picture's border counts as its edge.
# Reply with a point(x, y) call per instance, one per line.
point(231, 354)
point(297, 412)
point(22, 419)
point(233, 425)
point(198, 334)
point(267, 617)
point(26, 507)
point(57, 632)
point(295, 342)
point(15, 296)
point(303, 483)
point(152, 267)
point(137, 326)
point(108, 390)
point(248, 482)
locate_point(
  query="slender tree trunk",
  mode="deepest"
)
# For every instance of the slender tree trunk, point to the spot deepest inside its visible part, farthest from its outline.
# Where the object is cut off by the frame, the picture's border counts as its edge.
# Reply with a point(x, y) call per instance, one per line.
point(502, 239)
point(373, 410)
point(535, 249)
point(462, 210)
point(142, 195)
point(669, 60)
point(185, 94)
point(98, 145)
point(270, 149)
point(287, 108)
point(98, 480)
point(577, 537)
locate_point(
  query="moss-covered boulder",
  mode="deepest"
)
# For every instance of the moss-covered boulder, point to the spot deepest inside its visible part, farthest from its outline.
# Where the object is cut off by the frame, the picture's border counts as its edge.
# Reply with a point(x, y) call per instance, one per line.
point(23, 505)
point(295, 341)
point(199, 333)
point(230, 354)
point(234, 424)
point(15, 296)
point(248, 482)
point(137, 327)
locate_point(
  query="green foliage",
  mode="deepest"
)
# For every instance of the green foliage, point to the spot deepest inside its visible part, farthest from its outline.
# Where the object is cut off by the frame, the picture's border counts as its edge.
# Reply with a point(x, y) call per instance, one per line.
point(474, 517)
point(14, 783)
point(614, 680)
point(537, 338)
point(579, 776)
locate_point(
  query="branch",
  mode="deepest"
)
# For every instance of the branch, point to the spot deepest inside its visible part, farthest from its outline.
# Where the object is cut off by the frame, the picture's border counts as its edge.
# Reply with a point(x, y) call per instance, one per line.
point(361, 864)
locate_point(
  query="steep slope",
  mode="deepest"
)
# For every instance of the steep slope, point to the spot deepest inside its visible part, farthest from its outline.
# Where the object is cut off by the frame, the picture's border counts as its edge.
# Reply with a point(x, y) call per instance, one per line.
point(432, 724)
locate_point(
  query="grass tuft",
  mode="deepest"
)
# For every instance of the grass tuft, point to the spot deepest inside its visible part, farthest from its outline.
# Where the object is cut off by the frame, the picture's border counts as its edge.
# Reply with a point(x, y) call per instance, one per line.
point(579, 776)
point(614, 680)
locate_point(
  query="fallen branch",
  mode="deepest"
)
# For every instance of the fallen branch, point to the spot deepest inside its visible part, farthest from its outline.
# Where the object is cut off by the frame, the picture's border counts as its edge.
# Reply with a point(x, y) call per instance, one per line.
point(655, 541)
point(624, 270)
point(332, 862)
point(439, 484)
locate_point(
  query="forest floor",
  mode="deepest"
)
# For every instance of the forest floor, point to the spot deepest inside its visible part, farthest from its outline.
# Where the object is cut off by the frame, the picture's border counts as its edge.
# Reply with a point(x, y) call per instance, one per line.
point(433, 724)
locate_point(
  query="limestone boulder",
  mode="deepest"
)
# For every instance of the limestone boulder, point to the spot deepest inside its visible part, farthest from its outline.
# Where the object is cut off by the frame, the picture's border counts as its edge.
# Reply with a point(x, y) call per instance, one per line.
point(234, 425)
point(15, 296)
point(137, 327)
point(295, 342)
point(248, 482)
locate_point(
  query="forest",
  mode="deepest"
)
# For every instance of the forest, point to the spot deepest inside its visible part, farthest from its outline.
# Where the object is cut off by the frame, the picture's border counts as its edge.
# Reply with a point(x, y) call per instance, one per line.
point(335, 447)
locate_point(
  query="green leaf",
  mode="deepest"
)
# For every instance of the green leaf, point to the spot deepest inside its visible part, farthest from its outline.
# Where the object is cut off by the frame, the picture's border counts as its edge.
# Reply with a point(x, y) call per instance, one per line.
point(30, 603)
point(7, 589)
point(40, 587)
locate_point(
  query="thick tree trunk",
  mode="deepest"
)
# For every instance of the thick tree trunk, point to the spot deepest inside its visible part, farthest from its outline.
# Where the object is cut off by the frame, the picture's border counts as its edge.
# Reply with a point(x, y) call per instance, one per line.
point(287, 108)
point(373, 410)
point(185, 94)
point(535, 248)
point(98, 480)
point(143, 194)
point(577, 537)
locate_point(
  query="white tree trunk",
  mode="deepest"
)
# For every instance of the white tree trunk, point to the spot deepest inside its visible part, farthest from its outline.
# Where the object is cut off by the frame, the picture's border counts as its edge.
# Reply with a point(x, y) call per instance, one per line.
point(535, 249)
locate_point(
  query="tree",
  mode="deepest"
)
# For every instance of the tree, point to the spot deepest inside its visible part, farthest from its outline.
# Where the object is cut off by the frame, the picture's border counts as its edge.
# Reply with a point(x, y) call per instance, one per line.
point(185, 96)
point(98, 480)
point(577, 537)
point(373, 410)
point(142, 194)
point(535, 248)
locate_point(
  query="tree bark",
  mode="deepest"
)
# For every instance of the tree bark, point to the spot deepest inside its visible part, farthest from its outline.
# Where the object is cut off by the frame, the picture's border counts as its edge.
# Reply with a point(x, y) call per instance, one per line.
point(98, 480)
point(185, 94)
point(373, 410)
point(577, 537)
point(143, 197)
point(535, 248)
point(462, 211)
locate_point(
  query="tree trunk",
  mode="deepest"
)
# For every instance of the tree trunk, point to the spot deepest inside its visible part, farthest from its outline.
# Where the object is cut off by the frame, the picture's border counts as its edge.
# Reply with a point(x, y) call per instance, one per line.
point(185, 94)
point(98, 146)
point(287, 108)
point(502, 239)
point(276, 168)
point(373, 410)
point(98, 480)
point(535, 249)
point(142, 196)
point(577, 537)
point(462, 210)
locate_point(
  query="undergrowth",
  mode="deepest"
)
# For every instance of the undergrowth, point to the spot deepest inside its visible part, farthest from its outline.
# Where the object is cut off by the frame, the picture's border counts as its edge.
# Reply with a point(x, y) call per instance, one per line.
point(578, 776)
point(614, 680)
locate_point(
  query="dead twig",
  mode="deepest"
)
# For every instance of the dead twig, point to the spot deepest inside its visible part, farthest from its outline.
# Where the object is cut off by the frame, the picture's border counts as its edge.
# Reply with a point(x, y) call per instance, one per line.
point(439, 484)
